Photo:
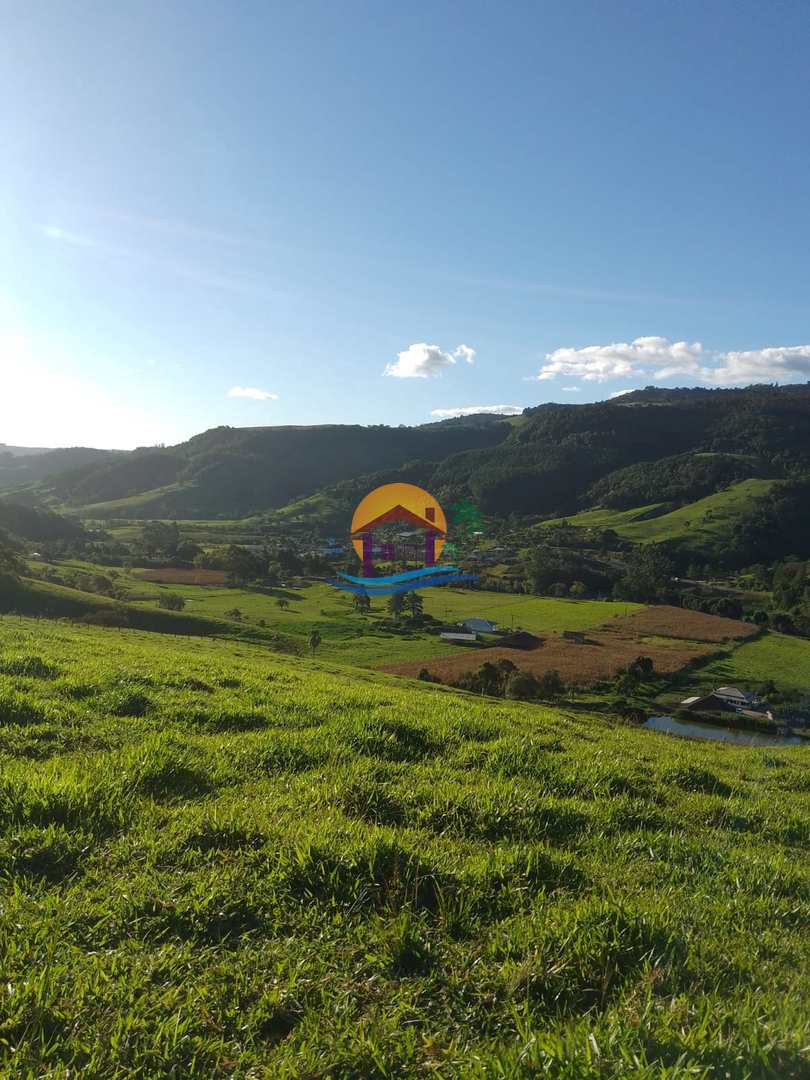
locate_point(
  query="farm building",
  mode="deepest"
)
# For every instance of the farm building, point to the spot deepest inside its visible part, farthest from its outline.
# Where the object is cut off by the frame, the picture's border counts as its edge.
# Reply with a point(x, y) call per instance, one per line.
point(459, 637)
point(706, 703)
point(479, 626)
point(732, 695)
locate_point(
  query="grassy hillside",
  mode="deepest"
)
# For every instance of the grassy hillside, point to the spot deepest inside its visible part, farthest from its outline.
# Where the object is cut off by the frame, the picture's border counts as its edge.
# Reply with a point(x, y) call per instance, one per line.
point(222, 863)
point(701, 524)
point(550, 463)
point(774, 657)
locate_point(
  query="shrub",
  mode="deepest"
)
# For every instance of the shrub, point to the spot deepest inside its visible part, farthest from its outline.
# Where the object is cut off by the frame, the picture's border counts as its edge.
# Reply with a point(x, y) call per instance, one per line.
point(522, 686)
point(171, 601)
point(550, 685)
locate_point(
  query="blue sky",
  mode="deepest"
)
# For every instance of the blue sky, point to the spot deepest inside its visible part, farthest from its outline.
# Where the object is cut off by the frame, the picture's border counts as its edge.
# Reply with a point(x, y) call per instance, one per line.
point(267, 213)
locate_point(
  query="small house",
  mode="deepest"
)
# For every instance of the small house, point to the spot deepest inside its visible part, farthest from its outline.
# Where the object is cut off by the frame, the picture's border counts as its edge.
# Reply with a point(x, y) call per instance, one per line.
point(732, 695)
point(459, 637)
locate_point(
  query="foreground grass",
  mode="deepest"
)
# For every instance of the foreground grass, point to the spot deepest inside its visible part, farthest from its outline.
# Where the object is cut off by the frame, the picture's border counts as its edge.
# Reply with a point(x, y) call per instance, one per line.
point(217, 862)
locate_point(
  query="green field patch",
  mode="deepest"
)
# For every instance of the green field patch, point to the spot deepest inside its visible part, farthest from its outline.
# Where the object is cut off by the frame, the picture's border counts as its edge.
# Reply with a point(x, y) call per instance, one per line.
point(386, 879)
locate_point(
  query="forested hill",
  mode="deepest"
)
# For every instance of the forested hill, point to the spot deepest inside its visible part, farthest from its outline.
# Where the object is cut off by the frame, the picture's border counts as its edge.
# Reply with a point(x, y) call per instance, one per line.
point(20, 465)
point(237, 471)
point(676, 443)
point(647, 446)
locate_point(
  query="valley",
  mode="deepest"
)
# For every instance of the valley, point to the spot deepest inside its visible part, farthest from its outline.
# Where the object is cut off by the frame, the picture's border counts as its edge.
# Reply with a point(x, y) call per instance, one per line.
point(329, 837)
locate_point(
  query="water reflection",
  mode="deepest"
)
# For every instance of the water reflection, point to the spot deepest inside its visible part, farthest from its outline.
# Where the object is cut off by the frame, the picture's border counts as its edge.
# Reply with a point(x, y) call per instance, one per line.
point(691, 728)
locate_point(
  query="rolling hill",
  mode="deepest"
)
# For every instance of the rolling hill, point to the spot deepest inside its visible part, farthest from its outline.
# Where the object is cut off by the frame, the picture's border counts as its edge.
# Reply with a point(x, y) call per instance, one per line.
point(222, 861)
point(237, 471)
point(700, 521)
point(20, 466)
point(657, 446)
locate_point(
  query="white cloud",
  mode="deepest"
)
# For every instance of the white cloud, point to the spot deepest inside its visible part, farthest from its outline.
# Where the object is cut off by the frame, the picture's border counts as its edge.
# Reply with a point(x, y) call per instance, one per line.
point(423, 361)
point(472, 410)
point(659, 358)
point(620, 393)
point(776, 364)
point(622, 360)
point(571, 389)
point(252, 392)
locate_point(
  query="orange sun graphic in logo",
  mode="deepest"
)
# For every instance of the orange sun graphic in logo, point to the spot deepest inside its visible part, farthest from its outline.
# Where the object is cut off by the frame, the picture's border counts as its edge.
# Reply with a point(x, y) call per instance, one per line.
point(399, 502)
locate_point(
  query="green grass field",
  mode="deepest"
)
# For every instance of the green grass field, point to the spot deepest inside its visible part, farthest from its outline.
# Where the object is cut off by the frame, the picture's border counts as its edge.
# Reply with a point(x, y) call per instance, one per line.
point(220, 862)
point(774, 657)
point(357, 639)
point(360, 640)
point(699, 522)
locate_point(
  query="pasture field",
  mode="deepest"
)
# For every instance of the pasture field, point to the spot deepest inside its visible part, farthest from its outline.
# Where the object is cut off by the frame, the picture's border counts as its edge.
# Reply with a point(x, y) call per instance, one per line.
point(774, 657)
point(362, 640)
point(698, 523)
point(217, 861)
point(355, 639)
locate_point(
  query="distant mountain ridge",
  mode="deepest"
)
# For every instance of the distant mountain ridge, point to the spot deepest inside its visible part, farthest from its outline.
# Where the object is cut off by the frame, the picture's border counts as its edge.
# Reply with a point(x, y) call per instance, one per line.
point(23, 465)
point(553, 460)
point(655, 444)
point(238, 471)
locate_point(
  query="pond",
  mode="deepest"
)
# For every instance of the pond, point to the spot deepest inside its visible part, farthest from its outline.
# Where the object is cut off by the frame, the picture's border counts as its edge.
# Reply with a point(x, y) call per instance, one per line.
point(691, 728)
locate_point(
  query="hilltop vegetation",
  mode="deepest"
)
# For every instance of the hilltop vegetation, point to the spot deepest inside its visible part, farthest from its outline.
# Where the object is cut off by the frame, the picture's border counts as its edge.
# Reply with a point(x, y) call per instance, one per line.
point(236, 471)
point(20, 468)
point(229, 863)
point(553, 459)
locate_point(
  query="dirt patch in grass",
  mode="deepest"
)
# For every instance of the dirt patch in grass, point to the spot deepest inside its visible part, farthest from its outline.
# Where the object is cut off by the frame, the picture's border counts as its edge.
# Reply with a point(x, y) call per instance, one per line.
point(675, 622)
point(671, 637)
point(183, 577)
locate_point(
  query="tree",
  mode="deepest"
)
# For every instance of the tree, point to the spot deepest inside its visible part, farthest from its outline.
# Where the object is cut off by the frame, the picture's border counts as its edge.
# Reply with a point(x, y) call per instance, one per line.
point(644, 667)
point(522, 686)
point(579, 589)
point(314, 640)
point(11, 566)
point(414, 603)
point(160, 539)
point(647, 576)
point(171, 601)
point(187, 551)
point(489, 678)
point(361, 603)
point(242, 565)
point(550, 685)
point(396, 605)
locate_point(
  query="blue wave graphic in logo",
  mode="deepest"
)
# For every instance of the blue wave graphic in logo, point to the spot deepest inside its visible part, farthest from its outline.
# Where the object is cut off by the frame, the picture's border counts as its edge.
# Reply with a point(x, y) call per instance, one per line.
point(377, 586)
point(395, 579)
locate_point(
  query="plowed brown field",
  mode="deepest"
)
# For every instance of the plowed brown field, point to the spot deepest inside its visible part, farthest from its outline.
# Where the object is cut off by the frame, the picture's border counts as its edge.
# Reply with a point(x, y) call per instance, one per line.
point(670, 636)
